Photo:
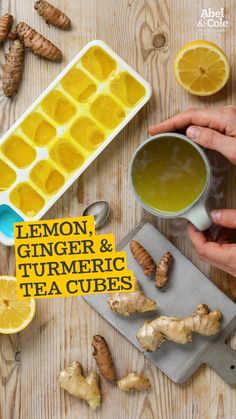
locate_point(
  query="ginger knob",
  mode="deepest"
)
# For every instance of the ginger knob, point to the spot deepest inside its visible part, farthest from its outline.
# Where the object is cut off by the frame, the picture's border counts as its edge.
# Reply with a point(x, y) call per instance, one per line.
point(134, 381)
point(71, 379)
point(127, 303)
point(155, 332)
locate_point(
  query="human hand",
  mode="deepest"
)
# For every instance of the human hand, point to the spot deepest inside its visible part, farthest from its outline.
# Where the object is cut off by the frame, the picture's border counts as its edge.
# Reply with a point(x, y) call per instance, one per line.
point(222, 252)
point(210, 128)
point(216, 130)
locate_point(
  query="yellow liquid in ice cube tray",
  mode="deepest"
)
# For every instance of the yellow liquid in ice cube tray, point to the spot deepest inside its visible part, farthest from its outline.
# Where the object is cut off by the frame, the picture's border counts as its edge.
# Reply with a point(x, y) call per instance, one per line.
point(66, 128)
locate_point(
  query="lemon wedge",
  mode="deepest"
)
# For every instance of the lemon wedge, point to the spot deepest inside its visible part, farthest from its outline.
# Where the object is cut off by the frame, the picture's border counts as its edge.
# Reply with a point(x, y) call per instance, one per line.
point(201, 68)
point(15, 314)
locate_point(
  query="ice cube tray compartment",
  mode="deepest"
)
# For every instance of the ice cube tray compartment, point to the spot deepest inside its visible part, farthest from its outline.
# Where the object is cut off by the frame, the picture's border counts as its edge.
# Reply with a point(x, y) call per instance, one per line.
point(38, 130)
point(64, 130)
point(78, 84)
point(18, 151)
point(26, 199)
point(8, 217)
point(98, 63)
point(47, 177)
point(8, 176)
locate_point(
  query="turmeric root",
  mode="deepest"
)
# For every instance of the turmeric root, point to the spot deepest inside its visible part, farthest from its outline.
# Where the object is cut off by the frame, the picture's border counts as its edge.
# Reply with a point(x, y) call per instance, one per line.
point(103, 358)
point(143, 258)
point(12, 69)
point(5, 26)
point(131, 302)
point(155, 332)
point(38, 44)
point(86, 388)
point(52, 15)
point(162, 270)
point(134, 381)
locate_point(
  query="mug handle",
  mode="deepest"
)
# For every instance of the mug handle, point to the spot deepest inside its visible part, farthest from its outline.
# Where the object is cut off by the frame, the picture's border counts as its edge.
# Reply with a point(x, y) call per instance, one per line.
point(199, 217)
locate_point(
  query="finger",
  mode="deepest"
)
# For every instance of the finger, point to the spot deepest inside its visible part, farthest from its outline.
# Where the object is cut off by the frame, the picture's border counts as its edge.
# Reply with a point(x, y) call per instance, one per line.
point(211, 252)
point(202, 117)
point(224, 217)
point(220, 255)
point(212, 139)
point(226, 235)
point(197, 237)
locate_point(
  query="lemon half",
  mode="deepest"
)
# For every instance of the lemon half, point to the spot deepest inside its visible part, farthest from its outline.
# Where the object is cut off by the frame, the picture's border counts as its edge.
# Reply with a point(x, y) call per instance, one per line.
point(15, 314)
point(201, 68)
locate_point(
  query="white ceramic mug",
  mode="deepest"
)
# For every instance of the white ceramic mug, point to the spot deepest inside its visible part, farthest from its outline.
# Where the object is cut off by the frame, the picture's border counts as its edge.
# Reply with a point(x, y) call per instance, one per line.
point(196, 213)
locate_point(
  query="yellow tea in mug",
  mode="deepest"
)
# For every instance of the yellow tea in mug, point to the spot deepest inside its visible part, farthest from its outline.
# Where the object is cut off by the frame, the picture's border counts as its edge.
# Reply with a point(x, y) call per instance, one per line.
point(169, 174)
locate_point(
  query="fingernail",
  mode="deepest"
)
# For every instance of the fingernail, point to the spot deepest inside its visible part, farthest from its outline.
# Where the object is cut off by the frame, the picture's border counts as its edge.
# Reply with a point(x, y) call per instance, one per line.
point(193, 132)
point(216, 215)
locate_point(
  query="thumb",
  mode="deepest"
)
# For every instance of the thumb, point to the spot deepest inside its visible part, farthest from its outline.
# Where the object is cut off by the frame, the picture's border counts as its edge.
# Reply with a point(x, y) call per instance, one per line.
point(224, 217)
point(209, 138)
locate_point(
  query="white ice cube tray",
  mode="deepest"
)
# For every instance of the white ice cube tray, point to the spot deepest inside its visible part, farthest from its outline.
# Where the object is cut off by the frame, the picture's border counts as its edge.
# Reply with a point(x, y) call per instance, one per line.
point(63, 131)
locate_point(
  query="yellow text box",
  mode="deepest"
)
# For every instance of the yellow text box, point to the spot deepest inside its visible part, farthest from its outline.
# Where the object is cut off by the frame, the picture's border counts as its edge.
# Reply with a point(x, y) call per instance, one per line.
point(59, 258)
point(82, 285)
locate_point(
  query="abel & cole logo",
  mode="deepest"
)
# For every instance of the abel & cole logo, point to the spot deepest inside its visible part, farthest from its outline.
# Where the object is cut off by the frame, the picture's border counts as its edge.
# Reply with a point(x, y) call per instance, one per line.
point(212, 21)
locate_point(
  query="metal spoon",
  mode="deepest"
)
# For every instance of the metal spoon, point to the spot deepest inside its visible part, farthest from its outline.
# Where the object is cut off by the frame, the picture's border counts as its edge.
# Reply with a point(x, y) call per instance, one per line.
point(100, 210)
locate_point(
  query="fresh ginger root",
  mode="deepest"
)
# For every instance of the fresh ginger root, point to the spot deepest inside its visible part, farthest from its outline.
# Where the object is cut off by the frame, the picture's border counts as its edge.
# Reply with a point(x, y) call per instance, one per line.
point(52, 15)
point(134, 381)
point(143, 258)
point(86, 388)
point(38, 44)
point(12, 69)
point(103, 358)
point(126, 303)
point(162, 270)
point(5, 26)
point(155, 332)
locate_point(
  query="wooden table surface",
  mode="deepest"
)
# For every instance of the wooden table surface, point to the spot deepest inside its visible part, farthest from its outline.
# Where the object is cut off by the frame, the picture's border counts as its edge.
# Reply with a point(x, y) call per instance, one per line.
point(63, 328)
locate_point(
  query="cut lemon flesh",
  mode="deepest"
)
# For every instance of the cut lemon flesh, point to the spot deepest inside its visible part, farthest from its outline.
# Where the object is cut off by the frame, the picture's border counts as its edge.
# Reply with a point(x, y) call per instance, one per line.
point(15, 314)
point(201, 68)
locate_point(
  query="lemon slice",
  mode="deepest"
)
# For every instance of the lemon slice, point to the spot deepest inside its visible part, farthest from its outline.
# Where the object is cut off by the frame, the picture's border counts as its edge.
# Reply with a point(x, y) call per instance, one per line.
point(15, 314)
point(201, 68)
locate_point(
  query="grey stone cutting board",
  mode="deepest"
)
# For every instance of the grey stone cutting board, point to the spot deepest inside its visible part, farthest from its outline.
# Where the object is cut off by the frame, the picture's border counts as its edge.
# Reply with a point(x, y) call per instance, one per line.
point(187, 288)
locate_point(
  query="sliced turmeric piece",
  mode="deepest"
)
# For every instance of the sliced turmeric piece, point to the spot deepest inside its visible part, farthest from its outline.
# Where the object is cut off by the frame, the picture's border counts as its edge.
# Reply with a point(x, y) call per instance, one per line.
point(162, 270)
point(5, 26)
point(52, 15)
point(12, 69)
point(38, 44)
point(143, 258)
